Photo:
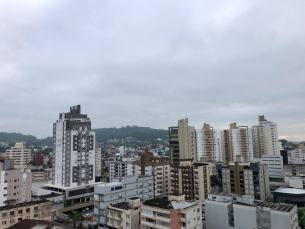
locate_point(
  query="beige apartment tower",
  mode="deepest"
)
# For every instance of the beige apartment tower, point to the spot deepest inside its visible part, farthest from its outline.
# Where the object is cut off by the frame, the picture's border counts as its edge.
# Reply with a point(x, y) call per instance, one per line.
point(182, 142)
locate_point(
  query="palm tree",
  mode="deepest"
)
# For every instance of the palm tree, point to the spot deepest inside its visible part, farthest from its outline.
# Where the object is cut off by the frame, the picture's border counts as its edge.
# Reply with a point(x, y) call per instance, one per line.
point(80, 220)
point(73, 218)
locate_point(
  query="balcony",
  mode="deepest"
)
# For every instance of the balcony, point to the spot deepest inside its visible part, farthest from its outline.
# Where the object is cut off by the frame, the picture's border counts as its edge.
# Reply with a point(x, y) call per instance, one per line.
point(149, 224)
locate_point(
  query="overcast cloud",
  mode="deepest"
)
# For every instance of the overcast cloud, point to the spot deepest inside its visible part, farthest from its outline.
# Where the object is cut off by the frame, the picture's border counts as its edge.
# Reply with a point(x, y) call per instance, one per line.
point(150, 63)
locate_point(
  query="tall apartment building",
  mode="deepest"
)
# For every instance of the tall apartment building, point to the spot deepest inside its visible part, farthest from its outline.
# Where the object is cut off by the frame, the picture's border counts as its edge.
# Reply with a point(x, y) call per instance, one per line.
point(207, 144)
point(13, 214)
point(182, 142)
point(242, 212)
point(120, 190)
point(192, 180)
point(98, 162)
point(275, 165)
point(171, 211)
point(250, 179)
point(119, 169)
point(73, 149)
point(159, 168)
point(20, 154)
point(237, 141)
point(265, 138)
point(124, 215)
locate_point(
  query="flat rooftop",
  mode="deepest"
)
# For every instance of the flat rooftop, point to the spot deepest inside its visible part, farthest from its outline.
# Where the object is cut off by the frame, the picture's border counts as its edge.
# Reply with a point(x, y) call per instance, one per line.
point(275, 207)
point(290, 190)
point(23, 204)
point(67, 188)
point(122, 205)
point(53, 194)
point(164, 203)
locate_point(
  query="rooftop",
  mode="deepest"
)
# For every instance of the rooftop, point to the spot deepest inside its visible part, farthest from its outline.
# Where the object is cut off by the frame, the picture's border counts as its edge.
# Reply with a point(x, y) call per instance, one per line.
point(275, 207)
point(122, 205)
point(163, 202)
point(290, 191)
point(30, 223)
point(53, 194)
point(29, 203)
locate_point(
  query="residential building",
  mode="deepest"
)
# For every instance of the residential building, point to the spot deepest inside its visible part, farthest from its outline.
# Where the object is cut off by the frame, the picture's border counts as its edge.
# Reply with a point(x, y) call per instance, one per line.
point(191, 179)
point(124, 215)
point(159, 168)
point(73, 149)
point(20, 154)
point(275, 165)
point(236, 141)
point(171, 211)
point(120, 190)
point(13, 214)
point(225, 146)
point(75, 198)
point(119, 169)
point(250, 179)
point(39, 174)
point(15, 184)
point(57, 200)
point(207, 144)
point(242, 212)
point(290, 196)
point(98, 162)
point(294, 170)
point(34, 224)
point(296, 182)
point(182, 142)
point(284, 155)
point(38, 158)
point(266, 135)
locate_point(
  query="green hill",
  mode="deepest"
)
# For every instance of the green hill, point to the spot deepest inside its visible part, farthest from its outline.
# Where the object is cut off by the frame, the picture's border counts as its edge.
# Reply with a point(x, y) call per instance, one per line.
point(102, 135)
point(140, 133)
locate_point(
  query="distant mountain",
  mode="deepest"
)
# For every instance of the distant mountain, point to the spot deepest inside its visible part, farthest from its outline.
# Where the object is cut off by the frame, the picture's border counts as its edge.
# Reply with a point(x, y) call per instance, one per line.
point(140, 133)
point(29, 139)
point(102, 135)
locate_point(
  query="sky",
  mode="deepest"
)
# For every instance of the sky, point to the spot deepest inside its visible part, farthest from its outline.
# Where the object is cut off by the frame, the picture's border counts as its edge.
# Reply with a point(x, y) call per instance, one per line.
point(151, 63)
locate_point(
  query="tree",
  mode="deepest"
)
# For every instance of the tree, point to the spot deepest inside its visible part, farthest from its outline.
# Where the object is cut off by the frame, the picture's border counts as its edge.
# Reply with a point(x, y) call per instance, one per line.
point(80, 219)
point(214, 180)
point(73, 218)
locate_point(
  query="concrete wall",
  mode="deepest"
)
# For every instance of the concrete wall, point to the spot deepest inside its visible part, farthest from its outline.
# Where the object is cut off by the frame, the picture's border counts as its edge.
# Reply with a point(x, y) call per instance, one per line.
point(244, 217)
point(216, 214)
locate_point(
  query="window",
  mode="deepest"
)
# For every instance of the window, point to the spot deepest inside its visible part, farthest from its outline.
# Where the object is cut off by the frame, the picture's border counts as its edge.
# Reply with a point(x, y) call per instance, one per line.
point(20, 219)
point(12, 213)
point(3, 215)
point(35, 208)
point(12, 221)
point(3, 222)
point(36, 215)
point(20, 211)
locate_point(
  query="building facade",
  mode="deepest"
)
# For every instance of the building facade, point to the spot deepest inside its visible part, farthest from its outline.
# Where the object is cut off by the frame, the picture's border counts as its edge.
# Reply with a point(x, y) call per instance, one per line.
point(242, 212)
point(13, 214)
point(124, 215)
point(275, 165)
point(20, 154)
point(73, 149)
point(119, 169)
point(170, 212)
point(250, 179)
point(120, 190)
point(191, 179)
point(182, 142)
point(265, 137)
point(159, 168)
point(207, 144)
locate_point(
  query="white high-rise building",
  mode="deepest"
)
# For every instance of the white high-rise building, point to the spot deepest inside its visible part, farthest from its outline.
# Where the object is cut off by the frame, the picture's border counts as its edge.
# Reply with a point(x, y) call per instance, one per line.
point(119, 169)
point(73, 149)
point(241, 140)
point(266, 138)
point(207, 144)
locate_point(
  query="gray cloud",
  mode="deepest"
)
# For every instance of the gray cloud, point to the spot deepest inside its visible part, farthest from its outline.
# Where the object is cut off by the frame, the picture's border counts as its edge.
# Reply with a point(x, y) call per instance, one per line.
point(150, 63)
